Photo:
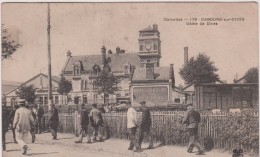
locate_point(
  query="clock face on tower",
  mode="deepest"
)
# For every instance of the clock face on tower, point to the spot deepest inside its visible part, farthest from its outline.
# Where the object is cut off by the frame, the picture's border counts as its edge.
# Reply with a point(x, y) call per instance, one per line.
point(148, 46)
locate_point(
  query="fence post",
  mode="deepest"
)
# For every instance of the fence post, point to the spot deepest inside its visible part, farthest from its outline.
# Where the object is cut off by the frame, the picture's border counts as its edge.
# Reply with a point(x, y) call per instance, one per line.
point(76, 123)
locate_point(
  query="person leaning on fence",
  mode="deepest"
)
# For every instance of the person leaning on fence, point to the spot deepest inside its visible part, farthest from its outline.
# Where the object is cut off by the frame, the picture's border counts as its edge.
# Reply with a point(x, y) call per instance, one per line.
point(23, 120)
point(84, 120)
point(54, 122)
point(192, 119)
point(131, 127)
point(96, 121)
point(146, 123)
point(11, 120)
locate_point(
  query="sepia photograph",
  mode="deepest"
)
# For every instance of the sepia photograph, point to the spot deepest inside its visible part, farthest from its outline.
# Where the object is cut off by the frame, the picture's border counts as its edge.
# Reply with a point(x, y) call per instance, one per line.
point(130, 79)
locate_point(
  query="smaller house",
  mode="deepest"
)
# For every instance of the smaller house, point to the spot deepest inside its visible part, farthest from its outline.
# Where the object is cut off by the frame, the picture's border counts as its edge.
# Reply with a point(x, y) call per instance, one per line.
point(40, 83)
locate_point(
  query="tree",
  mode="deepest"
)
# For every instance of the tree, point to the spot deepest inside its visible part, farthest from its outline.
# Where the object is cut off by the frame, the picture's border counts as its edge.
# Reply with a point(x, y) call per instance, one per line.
point(9, 46)
point(251, 76)
point(65, 86)
point(27, 93)
point(199, 70)
point(106, 82)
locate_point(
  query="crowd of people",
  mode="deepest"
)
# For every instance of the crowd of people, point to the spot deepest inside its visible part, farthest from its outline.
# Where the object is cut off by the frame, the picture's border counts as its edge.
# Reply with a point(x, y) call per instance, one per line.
point(25, 119)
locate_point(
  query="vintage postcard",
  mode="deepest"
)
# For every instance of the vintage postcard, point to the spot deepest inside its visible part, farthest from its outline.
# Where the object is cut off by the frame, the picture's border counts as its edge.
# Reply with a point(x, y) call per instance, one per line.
point(153, 79)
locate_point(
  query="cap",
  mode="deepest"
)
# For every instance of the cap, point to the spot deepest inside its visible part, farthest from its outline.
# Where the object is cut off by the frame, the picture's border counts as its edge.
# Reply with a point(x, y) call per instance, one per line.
point(142, 102)
point(21, 102)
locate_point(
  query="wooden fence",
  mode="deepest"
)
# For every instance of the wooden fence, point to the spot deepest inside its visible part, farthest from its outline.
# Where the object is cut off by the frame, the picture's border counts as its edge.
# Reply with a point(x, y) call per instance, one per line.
point(225, 130)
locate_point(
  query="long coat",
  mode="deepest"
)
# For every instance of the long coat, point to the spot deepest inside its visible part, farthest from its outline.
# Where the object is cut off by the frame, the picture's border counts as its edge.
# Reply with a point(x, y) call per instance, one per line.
point(84, 119)
point(192, 118)
point(146, 121)
point(54, 120)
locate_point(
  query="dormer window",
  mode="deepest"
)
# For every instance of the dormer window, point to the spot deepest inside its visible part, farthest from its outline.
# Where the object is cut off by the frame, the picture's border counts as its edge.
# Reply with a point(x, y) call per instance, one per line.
point(127, 69)
point(96, 70)
point(77, 68)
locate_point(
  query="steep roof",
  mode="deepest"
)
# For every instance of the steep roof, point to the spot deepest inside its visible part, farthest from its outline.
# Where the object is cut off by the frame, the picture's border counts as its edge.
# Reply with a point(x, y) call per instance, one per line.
point(116, 64)
point(161, 73)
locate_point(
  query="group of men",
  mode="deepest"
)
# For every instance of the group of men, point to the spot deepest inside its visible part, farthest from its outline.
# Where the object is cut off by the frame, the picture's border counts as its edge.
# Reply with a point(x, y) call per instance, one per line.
point(24, 119)
point(191, 120)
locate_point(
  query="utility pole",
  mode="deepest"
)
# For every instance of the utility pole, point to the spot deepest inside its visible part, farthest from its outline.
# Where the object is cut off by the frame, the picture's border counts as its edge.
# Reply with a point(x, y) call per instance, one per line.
point(49, 59)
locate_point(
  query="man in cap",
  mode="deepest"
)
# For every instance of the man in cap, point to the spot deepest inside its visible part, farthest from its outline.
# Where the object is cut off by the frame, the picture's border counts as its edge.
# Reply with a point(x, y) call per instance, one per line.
point(84, 120)
point(192, 119)
point(22, 123)
point(40, 113)
point(146, 123)
point(54, 121)
point(96, 121)
point(131, 127)
point(11, 120)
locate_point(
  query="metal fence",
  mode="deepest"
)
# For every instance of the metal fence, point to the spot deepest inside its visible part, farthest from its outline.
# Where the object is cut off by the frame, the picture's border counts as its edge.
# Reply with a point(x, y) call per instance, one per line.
point(225, 130)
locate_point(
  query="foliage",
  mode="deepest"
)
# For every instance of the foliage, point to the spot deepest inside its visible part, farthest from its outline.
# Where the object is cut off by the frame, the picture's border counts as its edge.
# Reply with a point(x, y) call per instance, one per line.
point(65, 86)
point(199, 70)
point(106, 82)
point(27, 93)
point(8, 45)
point(251, 76)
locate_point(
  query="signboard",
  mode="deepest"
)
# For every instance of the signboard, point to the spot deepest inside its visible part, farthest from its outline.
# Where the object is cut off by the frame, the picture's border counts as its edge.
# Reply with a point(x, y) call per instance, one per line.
point(153, 94)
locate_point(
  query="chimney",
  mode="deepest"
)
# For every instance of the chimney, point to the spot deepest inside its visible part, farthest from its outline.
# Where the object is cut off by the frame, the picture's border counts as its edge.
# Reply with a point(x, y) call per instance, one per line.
point(171, 76)
point(150, 71)
point(109, 51)
point(186, 57)
point(68, 53)
point(155, 27)
point(117, 50)
point(103, 51)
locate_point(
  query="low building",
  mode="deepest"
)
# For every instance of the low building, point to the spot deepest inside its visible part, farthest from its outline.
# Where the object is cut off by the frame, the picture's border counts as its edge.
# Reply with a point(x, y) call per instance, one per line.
point(40, 83)
point(225, 96)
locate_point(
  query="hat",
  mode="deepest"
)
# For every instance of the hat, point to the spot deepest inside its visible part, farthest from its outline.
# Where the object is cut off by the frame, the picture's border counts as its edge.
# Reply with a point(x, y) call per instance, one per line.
point(142, 102)
point(83, 105)
point(94, 105)
point(21, 102)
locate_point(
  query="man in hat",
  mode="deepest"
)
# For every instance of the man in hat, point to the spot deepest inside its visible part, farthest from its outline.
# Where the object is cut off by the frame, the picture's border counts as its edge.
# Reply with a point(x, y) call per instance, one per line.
point(96, 121)
point(11, 120)
point(146, 123)
point(84, 120)
point(54, 121)
point(40, 114)
point(23, 120)
point(192, 119)
point(131, 127)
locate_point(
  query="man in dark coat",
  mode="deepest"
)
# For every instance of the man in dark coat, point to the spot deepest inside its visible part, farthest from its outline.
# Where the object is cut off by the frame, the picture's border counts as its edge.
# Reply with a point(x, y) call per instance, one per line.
point(96, 121)
point(146, 123)
point(192, 119)
point(54, 121)
point(11, 119)
point(84, 120)
point(40, 113)
point(33, 128)
point(5, 124)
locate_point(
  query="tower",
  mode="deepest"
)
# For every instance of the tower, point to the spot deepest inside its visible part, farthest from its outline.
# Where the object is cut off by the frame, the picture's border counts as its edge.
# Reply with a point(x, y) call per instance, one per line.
point(150, 46)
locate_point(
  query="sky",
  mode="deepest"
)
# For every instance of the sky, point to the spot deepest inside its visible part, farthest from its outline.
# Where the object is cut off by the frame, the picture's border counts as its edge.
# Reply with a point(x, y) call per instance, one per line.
point(83, 28)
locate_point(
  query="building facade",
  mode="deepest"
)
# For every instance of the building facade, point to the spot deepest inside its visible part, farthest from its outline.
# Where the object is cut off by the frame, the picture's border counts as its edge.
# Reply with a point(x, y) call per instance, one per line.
point(134, 71)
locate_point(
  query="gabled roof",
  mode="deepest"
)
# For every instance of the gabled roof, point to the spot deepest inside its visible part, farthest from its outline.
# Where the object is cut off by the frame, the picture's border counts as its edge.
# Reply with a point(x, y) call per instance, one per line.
point(8, 86)
point(242, 78)
point(116, 64)
point(54, 78)
point(161, 73)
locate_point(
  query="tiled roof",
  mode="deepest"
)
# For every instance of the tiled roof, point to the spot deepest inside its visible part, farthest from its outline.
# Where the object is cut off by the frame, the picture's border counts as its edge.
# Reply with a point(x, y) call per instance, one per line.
point(161, 73)
point(116, 64)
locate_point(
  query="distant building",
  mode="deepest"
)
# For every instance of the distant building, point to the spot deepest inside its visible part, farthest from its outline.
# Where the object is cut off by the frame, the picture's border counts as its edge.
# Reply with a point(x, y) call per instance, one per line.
point(40, 83)
point(137, 73)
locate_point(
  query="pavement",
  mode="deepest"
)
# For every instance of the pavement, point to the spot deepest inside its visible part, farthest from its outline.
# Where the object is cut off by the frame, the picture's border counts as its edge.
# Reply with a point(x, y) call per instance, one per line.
point(65, 146)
